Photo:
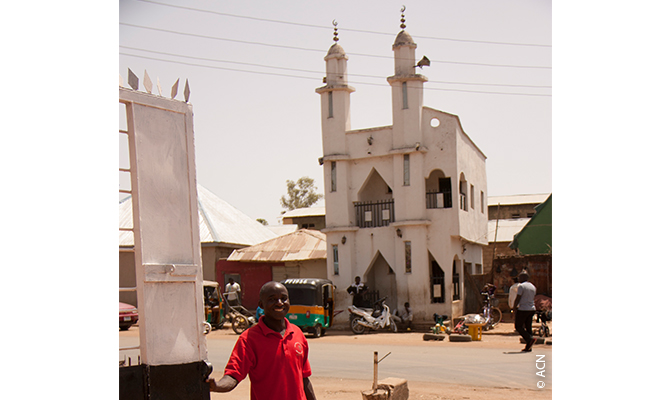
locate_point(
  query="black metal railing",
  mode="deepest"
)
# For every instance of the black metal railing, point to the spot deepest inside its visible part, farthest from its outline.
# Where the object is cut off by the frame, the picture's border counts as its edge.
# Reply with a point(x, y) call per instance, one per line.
point(372, 214)
point(438, 200)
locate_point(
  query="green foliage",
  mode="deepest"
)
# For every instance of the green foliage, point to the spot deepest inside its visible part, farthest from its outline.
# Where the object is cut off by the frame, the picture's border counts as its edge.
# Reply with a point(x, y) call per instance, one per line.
point(261, 221)
point(300, 194)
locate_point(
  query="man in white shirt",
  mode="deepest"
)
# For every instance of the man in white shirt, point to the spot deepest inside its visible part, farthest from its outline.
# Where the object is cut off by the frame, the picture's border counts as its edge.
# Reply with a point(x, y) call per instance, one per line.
point(524, 310)
point(233, 292)
point(512, 293)
point(405, 315)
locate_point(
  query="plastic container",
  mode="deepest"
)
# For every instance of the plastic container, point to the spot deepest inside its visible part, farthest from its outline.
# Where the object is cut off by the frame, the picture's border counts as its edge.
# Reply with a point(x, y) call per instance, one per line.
point(475, 331)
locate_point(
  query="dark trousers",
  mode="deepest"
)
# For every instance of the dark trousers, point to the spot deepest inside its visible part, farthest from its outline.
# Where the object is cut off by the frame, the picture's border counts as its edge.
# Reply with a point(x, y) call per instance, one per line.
point(523, 323)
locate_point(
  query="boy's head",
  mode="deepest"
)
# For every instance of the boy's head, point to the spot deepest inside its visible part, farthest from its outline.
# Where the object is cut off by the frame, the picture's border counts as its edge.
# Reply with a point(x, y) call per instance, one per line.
point(274, 300)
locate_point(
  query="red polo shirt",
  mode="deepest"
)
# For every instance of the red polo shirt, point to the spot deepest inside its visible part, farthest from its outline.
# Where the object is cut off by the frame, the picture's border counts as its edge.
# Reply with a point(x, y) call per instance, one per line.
point(276, 365)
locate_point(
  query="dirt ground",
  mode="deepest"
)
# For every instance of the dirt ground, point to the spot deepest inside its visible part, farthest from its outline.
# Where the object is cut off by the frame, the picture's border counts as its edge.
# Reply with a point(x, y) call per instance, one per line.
point(502, 336)
point(338, 389)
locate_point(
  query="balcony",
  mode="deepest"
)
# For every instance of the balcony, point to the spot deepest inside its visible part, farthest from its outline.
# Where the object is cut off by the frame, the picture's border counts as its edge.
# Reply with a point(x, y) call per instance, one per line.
point(438, 200)
point(373, 214)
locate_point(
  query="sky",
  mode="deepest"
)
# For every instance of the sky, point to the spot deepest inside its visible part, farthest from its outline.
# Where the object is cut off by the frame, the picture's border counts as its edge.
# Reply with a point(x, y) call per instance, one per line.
point(252, 68)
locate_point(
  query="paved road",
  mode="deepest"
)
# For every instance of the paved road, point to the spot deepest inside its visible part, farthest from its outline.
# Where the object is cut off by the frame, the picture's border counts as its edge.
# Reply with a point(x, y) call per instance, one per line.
point(444, 362)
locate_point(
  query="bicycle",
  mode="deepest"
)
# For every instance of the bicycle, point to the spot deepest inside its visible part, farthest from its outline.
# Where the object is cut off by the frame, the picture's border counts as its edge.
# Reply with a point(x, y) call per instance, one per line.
point(542, 316)
point(492, 314)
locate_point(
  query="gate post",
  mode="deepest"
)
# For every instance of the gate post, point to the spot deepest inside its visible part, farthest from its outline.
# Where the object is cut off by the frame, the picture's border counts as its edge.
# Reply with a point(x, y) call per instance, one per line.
point(168, 264)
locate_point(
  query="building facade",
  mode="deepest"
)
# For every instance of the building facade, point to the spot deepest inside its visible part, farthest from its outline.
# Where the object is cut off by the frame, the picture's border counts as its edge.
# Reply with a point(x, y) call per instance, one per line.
point(507, 216)
point(406, 203)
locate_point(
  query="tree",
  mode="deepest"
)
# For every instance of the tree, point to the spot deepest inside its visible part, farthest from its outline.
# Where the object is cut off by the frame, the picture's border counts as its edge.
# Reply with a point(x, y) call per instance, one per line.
point(300, 194)
point(262, 221)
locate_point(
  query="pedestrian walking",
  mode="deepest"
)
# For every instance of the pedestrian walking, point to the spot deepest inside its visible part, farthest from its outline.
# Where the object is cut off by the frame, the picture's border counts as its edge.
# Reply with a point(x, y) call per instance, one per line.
point(524, 310)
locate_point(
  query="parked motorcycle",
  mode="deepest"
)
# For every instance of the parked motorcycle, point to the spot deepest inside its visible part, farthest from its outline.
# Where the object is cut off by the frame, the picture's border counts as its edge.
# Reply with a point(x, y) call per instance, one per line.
point(376, 319)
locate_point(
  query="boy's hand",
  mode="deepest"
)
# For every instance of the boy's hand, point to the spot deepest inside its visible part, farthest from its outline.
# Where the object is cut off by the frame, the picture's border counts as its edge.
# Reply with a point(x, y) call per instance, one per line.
point(225, 384)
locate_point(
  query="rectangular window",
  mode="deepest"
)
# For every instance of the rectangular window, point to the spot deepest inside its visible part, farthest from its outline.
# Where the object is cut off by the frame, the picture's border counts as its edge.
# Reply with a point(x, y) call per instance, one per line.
point(336, 261)
point(478, 269)
point(468, 267)
point(333, 176)
point(462, 192)
point(406, 170)
point(481, 199)
point(404, 96)
point(472, 196)
point(330, 104)
point(456, 283)
point(408, 257)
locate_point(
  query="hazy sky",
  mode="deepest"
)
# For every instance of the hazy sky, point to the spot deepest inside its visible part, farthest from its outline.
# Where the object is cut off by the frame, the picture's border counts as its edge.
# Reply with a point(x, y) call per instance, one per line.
point(252, 80)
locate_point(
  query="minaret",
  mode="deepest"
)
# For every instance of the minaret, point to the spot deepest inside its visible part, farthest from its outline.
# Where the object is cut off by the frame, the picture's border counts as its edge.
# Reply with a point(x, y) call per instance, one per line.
point(335, 122)
point(335, 119)
point(407, 91)
point(407, 100)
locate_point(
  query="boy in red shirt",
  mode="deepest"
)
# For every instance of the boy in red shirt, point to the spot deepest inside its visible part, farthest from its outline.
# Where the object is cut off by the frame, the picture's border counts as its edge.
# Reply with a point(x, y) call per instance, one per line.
point(273, 353)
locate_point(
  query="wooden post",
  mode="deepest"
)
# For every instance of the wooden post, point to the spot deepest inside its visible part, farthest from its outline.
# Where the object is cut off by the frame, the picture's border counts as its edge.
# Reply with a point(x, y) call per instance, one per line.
point(374, 381)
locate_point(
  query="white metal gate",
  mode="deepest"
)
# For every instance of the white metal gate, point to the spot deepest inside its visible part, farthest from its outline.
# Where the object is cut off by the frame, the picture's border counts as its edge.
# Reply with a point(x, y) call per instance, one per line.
point(168, 270)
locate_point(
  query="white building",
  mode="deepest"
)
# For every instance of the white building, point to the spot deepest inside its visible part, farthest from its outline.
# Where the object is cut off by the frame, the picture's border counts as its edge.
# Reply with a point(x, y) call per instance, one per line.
point(406, 203)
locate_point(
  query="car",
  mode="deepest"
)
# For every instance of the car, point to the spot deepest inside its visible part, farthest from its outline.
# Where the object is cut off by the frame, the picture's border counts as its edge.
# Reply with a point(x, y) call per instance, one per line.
point(127, 316)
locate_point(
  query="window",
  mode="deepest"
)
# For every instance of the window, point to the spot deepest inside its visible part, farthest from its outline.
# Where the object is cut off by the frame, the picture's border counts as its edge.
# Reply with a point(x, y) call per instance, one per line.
point(445, 189)
point(330, 104)
point(472, 196)
point(406, 170)
point(336, 261)
point(456, 282)
point(468, 267)
point(333, 176)
point(463, 204)
point(481, 200)
point(478, 270)
point(437, 282)
point(408, 257)
point(404, 96)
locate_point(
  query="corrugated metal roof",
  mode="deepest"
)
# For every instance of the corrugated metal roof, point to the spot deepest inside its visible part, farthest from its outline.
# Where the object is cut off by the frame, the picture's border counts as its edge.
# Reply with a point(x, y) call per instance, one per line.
point(305, 244)
point(507, 228)
point(305, 212)
point(283, 229)
point(518, 199)
point(219, 222)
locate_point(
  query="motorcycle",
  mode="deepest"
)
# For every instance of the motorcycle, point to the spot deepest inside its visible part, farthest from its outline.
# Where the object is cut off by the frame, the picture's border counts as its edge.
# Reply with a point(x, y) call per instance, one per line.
point(376, 319)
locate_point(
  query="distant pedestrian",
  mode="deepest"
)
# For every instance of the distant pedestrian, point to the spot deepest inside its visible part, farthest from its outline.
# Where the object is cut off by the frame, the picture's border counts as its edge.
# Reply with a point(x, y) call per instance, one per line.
point(404, 316)
point(358, 289)
point(524, 310)
point(512, 293)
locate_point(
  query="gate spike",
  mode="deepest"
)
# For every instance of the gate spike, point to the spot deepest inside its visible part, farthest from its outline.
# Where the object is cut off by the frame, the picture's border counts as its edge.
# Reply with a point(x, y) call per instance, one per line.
point(147, 82)
point(158, 86)
point(133, 80)
point(175, 87)
point(187, 92)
